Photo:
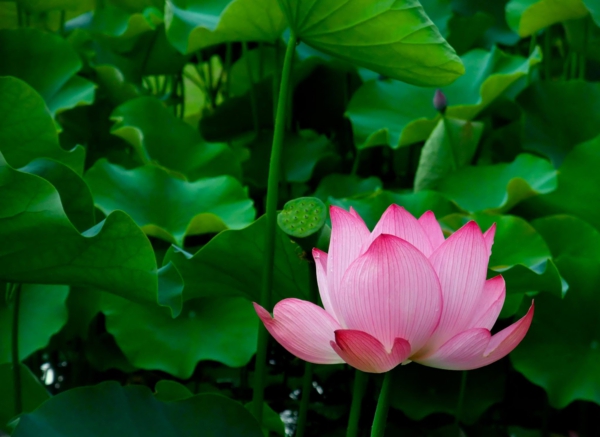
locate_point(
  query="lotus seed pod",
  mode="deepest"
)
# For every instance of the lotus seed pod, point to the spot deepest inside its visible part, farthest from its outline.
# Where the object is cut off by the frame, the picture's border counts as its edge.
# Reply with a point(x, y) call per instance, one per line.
point(302, 217)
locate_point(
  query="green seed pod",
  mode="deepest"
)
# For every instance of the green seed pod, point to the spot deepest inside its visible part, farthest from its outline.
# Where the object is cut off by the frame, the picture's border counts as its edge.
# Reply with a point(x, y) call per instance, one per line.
point(302, 217)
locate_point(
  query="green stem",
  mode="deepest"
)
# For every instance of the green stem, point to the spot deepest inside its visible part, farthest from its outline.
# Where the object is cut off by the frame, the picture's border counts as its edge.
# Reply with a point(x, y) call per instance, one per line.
point(228, 56)
point(547, 53)
point(383, 405)
point(63, 16)
point(532, 43)
point(253, 100)
point(461, 399)
point(210, 84)
point(20, 15)
point(16, 362)
point(583, 55)
point(356, 162)
point(276, 78)
point(304, 401)
point(271, 213)
point(358, 392)
point(573, 64)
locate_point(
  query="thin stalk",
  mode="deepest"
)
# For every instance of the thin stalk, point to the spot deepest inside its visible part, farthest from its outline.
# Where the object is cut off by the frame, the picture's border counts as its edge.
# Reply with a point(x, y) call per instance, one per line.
point(583, 55)
point(532, 43)
point(20, 15)
point(210, 84)
point(356, 162)
point(358, 392)
point(305, 400)
point(383, 405)
point(261, 60)
point(461, 399)
point(532, 46)
point(228, 56)
point(276, 78)
point(547, 52)
point(573, 64)
point(181, 95)
point(16, 362)
point(253, 100)
point(63, 16)
point(271, 213)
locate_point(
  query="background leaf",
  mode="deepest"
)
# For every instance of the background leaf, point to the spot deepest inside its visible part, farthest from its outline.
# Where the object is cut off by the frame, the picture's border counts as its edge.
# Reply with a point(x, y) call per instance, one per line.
point(114, 255)
point(566, 329)
point(210, 272)
point(42, 314)
point(498, 188)
point(380, 115)
point(27, 130)
point(48, 63)
point(71, 414)
point(557, 116)
point(195, 24)
point(213, 328)
point(167, 207)
point(149, 126)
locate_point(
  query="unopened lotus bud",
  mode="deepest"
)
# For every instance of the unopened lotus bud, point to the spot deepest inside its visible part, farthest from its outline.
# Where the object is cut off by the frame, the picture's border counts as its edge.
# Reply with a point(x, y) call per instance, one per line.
point(439, 101)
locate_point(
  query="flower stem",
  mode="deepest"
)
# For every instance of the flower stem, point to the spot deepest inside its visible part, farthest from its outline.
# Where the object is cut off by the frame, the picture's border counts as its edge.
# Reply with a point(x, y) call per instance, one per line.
point(461, 399)
point(16, 362)
point(358, 392)
point(271, 212)
point(547, 53)
point(383, 405)
point(304, 401)
point(253, 100)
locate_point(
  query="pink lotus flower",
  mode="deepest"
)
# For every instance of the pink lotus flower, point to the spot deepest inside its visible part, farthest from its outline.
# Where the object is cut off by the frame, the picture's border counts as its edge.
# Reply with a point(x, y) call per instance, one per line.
point(398, 294)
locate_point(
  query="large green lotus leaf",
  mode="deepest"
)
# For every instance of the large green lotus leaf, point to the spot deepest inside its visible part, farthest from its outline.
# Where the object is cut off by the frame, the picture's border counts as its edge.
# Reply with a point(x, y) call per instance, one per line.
point(211, 272)
point(301, 153)
point(380, 114)
point(196, 24)
point(75, 195)
point(340, 186)
point(528, 16)
point(159, 136)
point(499, 187)
point(48, 63)
point(566, 330)
point(166, 390)
point(578, 182)
point(27, 130)
point(392, 37)
point(451, 145)
point(594, 8)
point(108, 409)
point(222, 329)
point(519, 253)
point(420, 391)
point(41, 315)
point(371, 206)
point(116, 22)
point(559, 115)
point(32, 391)
point(41, 245)
point(168, 207)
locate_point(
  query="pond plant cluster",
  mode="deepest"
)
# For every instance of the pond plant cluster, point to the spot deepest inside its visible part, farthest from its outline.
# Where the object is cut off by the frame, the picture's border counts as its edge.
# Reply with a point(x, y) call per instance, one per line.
point(170, 170)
